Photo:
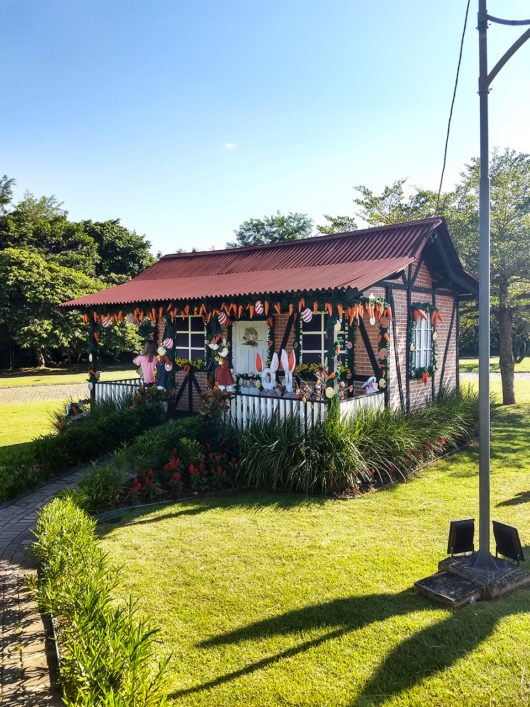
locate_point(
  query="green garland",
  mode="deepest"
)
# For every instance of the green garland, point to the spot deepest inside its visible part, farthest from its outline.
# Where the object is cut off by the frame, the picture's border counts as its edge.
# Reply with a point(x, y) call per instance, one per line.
point(419, 371)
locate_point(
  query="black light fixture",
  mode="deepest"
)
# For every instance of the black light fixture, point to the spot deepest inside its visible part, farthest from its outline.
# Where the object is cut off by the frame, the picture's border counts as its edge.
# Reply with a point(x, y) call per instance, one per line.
point(507, 542)
point(461, 533)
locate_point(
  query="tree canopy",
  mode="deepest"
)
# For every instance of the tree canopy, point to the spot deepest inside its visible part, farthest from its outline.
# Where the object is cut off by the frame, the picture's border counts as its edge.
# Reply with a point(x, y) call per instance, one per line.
point(272, 229)
point(46, 259)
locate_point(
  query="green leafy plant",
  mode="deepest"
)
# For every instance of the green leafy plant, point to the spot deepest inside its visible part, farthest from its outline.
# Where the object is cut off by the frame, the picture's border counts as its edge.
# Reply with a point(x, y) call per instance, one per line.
point(107, 650)
point(100, 488)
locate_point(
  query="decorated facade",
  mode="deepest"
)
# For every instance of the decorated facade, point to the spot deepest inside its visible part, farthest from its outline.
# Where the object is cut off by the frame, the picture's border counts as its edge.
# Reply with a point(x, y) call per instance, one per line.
point(328, 319)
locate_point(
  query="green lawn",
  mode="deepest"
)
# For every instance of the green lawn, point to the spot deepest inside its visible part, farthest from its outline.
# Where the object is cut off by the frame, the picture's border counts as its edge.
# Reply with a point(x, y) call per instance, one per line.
point(470, 365)
point(22, 422)
point(51, 376)
point(281, 600)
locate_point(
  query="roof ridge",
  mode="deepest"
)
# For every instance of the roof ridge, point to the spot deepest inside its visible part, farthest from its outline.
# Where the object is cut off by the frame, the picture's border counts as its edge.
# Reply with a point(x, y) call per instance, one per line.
point(299, 241)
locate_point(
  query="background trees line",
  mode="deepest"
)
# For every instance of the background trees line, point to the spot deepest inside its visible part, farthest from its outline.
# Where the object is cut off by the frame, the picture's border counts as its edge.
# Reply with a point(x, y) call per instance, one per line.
point(46, 259)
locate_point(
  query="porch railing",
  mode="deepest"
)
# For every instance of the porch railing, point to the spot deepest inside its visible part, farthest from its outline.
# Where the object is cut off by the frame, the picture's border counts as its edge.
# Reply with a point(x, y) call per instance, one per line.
point(245, 408)
point(114, 390)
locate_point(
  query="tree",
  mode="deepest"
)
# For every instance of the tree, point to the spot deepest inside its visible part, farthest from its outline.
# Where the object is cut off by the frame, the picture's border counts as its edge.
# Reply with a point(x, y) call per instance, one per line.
point(510, 240)
point(272, 229)
point(510, 247)
point(337, 224)
point(6, 192)
point(120, 251)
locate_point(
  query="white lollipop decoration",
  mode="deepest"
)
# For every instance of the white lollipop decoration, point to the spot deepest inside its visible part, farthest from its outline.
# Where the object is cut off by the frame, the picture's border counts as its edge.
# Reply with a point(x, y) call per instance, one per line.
point(307, 315)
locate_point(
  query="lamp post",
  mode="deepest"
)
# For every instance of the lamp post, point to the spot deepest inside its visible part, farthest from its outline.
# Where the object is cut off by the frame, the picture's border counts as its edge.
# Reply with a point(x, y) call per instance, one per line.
point(484, 558)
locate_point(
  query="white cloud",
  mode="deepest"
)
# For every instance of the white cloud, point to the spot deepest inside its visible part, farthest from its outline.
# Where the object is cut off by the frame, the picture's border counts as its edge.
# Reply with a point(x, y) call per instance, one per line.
point(230, 145)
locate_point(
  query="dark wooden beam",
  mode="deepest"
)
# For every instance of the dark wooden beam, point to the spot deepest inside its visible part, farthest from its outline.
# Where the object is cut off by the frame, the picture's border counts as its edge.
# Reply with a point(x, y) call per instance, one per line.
point(417, 271)
point(407, 347)
point(433, 382)
point(369, 349)
point(390, 299)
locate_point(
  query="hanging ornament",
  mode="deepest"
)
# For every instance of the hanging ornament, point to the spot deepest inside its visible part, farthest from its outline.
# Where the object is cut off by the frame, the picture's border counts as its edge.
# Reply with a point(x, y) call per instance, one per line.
point(382, 383)
point(106, 320)
point(330, 393)
point(382, 353)
point(222, 318)
point(90, 358)
point(168, 366)
point(307, 315)
point(259, 307)
point(349, 345)
point(434, 336)
point(97, 375)
point(168, 343)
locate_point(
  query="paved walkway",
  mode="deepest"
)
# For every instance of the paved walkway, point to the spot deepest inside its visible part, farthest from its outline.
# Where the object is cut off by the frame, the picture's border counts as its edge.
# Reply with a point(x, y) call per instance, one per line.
point(32, 393)
point(25, 665)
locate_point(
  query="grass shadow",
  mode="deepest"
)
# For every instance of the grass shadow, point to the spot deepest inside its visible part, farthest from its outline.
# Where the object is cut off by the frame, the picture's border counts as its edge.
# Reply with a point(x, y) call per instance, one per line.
point(427, 652)
point(254, 500)
point(517, 500)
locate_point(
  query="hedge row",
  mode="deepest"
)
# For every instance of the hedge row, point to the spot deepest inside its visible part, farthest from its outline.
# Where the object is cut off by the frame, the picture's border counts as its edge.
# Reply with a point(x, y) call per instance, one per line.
point(52, 454)
point(107, 651)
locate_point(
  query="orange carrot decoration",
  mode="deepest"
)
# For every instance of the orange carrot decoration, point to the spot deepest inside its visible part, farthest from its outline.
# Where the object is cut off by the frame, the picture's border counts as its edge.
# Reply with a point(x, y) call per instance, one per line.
point(422, 314)
point(96, 336)
point(187, 310)
point(95, 317)
point(251, 309)
point(301, 304)
point(315, 307)
point(277, 307)
point(389, 313)
point(291, 309)
point(85, 318)
point(240, 311)
point(115, 317)
point(270, 321)
point(266, 306)
point(340, 310)
point(424, 377)
point(202, 310)
point(160, 312)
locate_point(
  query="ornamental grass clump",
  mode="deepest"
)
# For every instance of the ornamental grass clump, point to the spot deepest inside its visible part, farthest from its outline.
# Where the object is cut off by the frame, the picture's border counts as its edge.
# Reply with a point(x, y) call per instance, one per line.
point(107, 651)
point(354, 455)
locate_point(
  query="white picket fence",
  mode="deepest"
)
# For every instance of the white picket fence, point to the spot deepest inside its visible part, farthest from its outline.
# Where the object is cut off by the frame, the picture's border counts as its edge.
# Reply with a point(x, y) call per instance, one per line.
point(245, 408)
point(115, 390)
point(352, 406)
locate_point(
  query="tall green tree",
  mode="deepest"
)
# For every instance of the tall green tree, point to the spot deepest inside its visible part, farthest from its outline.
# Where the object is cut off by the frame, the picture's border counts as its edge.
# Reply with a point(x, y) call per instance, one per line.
point(272, 229)
point(510, 240)
point(337, 224)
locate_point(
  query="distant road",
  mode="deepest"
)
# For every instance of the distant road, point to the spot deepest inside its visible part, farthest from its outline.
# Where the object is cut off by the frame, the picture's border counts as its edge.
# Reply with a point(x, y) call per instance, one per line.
point(493, 376)
point(34, 393)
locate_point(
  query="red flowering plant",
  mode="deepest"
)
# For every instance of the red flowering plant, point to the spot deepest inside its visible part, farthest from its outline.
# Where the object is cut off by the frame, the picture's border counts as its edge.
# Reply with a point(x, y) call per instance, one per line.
point(144, 487)
point(214, 469)
point(171, 474)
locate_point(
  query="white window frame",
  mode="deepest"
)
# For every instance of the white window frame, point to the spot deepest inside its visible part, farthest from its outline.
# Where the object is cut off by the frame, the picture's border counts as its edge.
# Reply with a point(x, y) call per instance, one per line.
point(182, 330)
point(423, 331)
point(322, 332)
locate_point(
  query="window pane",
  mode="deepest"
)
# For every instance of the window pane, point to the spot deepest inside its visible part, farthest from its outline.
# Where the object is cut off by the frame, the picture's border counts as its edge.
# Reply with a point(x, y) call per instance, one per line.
point(196, 354)
point(196, 324)
point(311, 357)
point(312, 342)
point(182, 340)
point(314, 325)
point(197, 340)
point(182, 353)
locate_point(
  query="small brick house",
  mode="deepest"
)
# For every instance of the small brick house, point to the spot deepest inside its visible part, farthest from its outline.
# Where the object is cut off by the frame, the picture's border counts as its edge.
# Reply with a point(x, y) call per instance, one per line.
point(378, 303)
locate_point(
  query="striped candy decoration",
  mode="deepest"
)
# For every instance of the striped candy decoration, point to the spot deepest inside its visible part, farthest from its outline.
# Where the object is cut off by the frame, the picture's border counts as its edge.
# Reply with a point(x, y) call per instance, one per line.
point(222, 318)
point(307, 315)
point(259, 307)
point(106, 320)
point(168, 343)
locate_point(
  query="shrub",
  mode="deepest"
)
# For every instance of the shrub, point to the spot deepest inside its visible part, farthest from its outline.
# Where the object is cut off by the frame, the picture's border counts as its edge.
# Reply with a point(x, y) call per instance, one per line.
point(375, 447)
point(100, 488)
point(107, 652)
point(52, 454)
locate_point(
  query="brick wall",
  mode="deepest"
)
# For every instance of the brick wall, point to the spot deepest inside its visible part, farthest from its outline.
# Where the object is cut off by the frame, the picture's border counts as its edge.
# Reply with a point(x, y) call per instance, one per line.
point(183, 404)
point(363, 367)
point(279, 324)
point(420, 393)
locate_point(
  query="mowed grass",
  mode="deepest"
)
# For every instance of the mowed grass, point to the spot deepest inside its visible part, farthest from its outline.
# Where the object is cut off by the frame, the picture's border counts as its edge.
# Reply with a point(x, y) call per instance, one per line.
point(277, 599)
point(470, 365)
point(22, 422)
point(51, 377)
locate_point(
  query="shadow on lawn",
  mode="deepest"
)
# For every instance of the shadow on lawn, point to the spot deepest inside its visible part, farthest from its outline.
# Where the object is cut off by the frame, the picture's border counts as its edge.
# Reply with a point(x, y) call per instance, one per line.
point(521, 497)
point(427, 652)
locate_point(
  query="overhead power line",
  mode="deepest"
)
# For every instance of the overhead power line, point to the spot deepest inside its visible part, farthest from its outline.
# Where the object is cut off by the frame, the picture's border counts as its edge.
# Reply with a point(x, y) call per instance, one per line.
point(452, 105)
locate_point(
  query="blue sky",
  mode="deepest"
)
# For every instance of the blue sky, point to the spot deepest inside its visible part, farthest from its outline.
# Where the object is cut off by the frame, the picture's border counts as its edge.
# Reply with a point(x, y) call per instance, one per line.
point(186, 118)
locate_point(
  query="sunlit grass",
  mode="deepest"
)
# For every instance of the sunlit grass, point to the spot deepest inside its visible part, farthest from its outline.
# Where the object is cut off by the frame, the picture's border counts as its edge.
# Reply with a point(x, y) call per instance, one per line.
point(276, 599)
point(470, 365)
point(52, 377)
point(22, 422)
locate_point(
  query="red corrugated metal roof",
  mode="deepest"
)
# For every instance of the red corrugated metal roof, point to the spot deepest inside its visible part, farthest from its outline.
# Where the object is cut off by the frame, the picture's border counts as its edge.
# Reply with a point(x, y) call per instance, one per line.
point(356, 259)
